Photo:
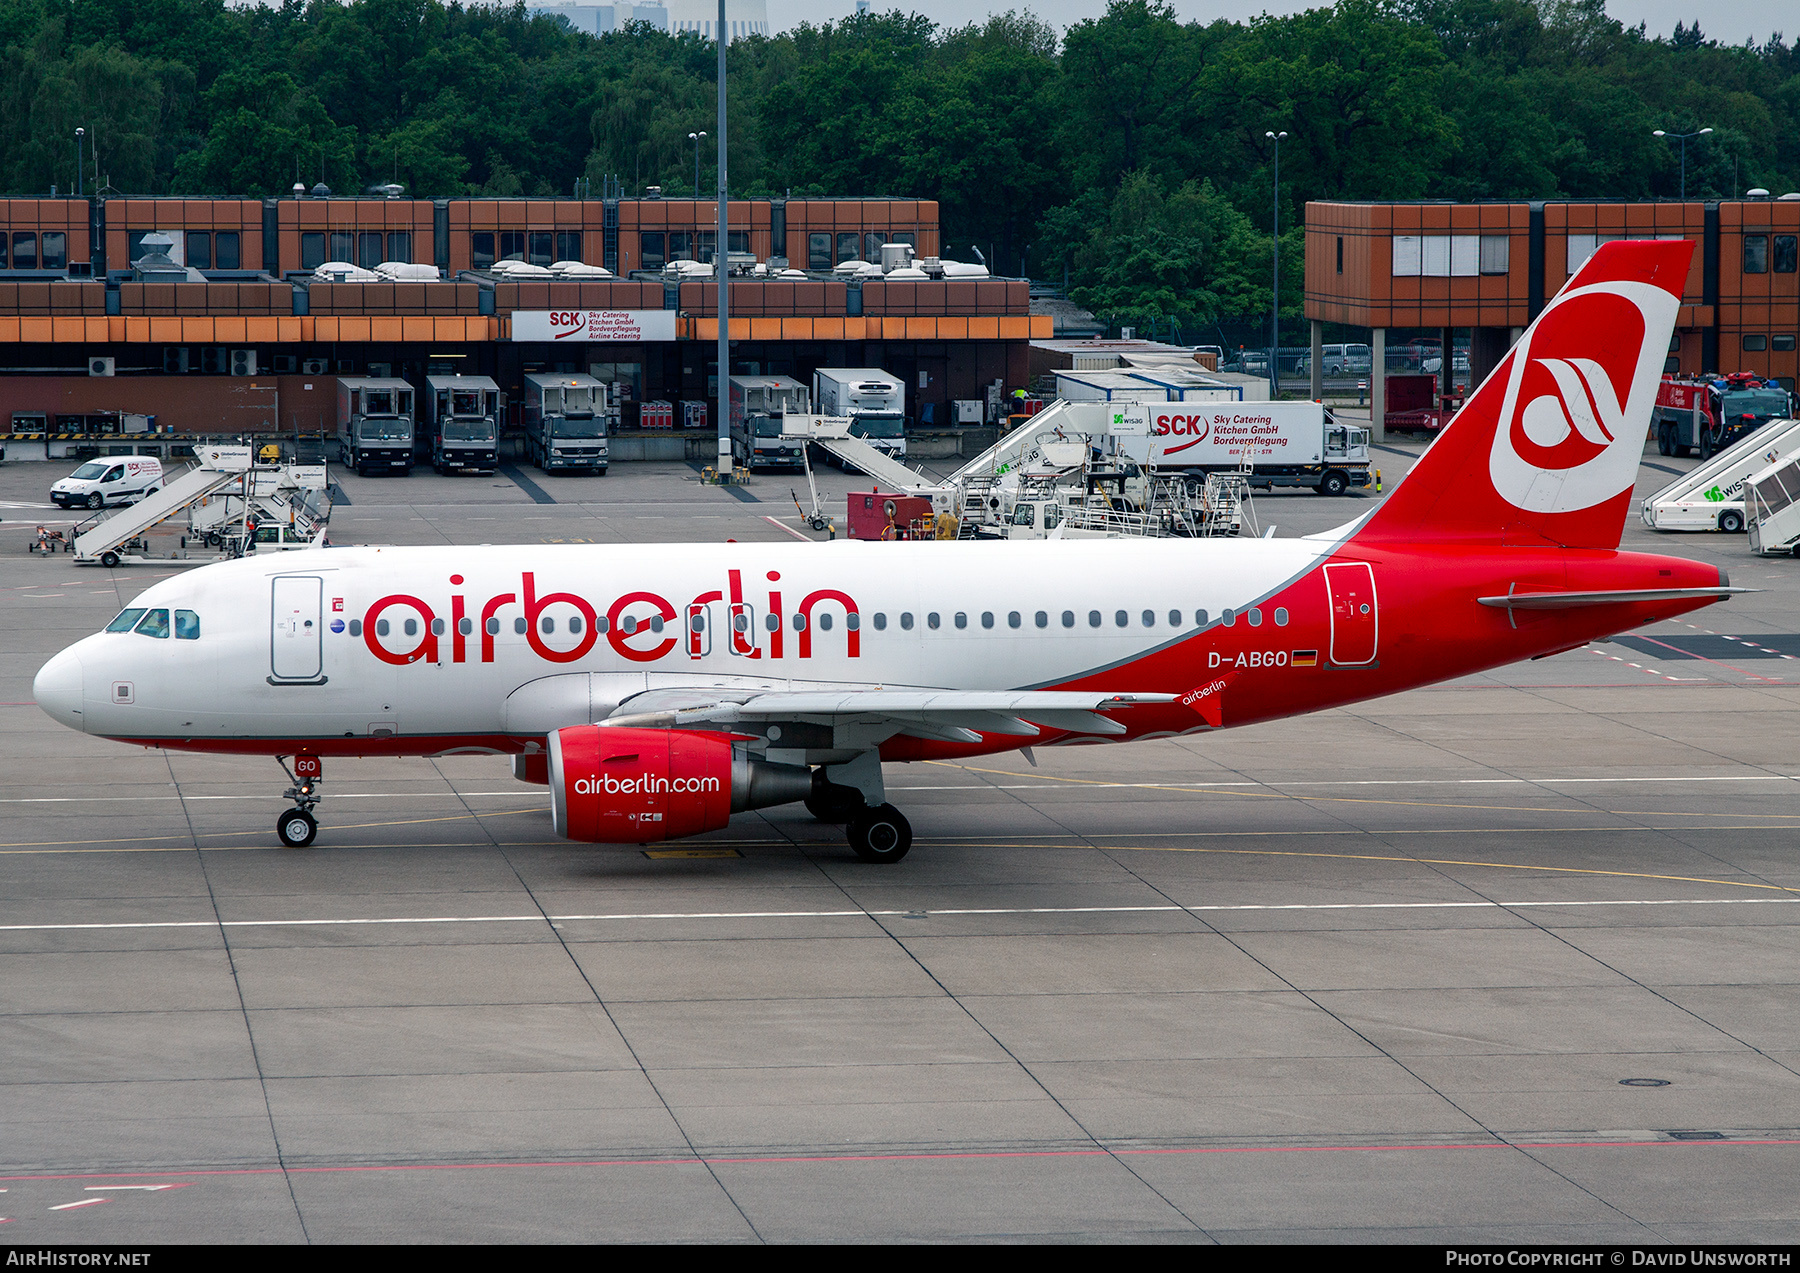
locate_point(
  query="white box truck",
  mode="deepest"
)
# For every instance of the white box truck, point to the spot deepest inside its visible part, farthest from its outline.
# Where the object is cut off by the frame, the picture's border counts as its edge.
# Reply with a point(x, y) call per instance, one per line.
point(462, 415)
point(1281, 443)
point(375, 425)
point(565, 422)
point(874, 401)
point(758, 406)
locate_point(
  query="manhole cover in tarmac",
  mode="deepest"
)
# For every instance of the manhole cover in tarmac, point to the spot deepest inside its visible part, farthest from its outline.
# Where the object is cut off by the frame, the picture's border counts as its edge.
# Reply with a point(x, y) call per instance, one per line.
point(1643, 1082)
point(1696, 1135)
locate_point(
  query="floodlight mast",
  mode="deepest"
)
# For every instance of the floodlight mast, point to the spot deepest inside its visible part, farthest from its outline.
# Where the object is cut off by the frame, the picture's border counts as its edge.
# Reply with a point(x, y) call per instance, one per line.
point(721, 259)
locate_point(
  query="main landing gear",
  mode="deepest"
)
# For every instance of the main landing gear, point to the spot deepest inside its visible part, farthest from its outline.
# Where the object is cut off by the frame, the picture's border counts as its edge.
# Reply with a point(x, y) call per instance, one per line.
point(877, 833)
point(297, 827)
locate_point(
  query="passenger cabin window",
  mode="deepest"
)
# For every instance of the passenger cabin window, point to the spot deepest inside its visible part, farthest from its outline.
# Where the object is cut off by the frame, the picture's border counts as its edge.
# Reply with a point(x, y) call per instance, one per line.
point(187, 625)
point(155, 623)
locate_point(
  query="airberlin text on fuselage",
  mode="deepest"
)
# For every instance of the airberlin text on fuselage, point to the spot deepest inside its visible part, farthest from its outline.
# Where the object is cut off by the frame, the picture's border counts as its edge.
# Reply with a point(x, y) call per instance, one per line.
point(641, 626)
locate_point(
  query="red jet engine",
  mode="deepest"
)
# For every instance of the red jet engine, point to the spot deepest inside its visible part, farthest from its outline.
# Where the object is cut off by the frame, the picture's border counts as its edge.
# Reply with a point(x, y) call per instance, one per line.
point(637, 786)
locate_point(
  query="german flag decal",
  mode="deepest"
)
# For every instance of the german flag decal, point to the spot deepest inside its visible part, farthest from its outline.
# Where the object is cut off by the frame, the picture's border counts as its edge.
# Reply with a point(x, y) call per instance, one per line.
point(1304, 658)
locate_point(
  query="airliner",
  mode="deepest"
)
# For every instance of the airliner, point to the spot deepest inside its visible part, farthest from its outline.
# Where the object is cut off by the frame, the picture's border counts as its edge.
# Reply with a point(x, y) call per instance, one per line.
point(659, 689)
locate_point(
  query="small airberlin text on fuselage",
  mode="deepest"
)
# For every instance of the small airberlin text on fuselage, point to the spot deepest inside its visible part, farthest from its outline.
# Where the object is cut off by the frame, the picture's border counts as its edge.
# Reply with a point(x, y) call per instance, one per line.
point(637, 625)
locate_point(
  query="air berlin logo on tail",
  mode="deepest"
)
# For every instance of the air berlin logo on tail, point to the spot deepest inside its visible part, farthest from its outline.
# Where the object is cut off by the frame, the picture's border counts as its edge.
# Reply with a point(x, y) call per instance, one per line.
point(1571, 429)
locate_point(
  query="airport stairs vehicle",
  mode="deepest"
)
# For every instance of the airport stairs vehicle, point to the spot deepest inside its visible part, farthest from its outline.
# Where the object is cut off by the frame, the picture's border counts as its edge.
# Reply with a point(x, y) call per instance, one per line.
point(1710, 496)
point(836, 440)
point(109, 542)
point(1772, 505)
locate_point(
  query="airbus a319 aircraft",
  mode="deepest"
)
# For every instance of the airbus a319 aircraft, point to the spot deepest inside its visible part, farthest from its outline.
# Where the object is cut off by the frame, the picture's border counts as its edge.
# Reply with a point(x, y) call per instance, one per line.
point(658, 689)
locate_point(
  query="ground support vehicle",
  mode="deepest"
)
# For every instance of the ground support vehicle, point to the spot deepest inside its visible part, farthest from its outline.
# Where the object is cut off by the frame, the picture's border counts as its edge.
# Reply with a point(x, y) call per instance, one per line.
point(1282, 443)
point(375, 426)
point(462, 415)
point(121, 479)
point(1710, 496)
point(1707, 414)
point(873, 402)
point(758, 406)
point(565, 422)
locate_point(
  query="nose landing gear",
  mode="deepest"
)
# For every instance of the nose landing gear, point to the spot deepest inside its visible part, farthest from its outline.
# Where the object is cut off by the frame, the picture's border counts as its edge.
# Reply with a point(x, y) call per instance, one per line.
point(297, 827)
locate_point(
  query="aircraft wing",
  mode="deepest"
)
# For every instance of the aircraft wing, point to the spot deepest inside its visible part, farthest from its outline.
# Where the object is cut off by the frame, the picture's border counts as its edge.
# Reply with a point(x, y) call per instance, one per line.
point(951, 715)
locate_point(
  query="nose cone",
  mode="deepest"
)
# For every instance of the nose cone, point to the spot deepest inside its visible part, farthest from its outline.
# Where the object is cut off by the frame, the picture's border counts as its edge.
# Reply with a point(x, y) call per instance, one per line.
point(58, 689)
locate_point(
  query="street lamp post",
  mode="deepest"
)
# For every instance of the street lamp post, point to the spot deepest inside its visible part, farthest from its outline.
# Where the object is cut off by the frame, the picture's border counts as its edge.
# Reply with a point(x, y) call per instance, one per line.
point(1275, 299)
point(1683, 138)
point(695, 138)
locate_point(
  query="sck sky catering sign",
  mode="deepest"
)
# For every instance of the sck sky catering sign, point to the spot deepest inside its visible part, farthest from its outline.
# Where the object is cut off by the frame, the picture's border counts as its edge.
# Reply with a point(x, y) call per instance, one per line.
point(573, 325)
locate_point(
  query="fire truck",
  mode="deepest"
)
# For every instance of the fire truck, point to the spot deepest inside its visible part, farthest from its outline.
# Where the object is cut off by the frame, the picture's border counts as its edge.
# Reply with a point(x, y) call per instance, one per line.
point(1709, 413)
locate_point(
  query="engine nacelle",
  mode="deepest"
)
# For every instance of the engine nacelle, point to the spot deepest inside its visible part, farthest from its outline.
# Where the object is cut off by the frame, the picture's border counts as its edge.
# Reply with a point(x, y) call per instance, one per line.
point(637, 786)
point(532, 767)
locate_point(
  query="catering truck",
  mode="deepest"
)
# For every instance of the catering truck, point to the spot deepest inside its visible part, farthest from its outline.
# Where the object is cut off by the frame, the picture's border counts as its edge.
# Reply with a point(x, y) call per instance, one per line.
point(375, 426)
point(1706, 414)
point(462, 414)
point(874, 401)
point(1276, 443)
point(565, 422)
point(758, 405)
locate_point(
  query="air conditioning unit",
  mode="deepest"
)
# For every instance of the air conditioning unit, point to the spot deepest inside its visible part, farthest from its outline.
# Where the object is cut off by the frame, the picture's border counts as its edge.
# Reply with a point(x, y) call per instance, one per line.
point(175, 359)
point(100, 366)
point(285, 364)
point(381, 370)
point(243, 362)
point(315, 366)
point(213, 359)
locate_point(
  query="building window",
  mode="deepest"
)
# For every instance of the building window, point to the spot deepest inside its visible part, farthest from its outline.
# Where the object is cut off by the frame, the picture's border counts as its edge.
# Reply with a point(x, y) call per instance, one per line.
point(227, 255)
point(56, 250)
point(481, 250)
point(568, 245)
point(368, 250)
point(708, 239)
point(1496, 253)
point(1340, 241)
point(1756, 344)
point(400, 246)
point(1785, 252)
point(312, 250)
point(512, 245)
point(3, 264)
point(1756, 254)
point(25, 250)
point(849, 247)
point(738, 241)
point(1582, 246)
point(818, 251)
point(1782, 344)
point(199, 249)
point(872, 242)
point(650, 251)
point(681, 245)
point(343, 246)
point(541, 242)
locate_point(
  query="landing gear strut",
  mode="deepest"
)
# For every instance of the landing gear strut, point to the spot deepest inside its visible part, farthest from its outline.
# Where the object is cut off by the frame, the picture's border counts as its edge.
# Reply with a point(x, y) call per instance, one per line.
point(297, 827)
point(877, 831)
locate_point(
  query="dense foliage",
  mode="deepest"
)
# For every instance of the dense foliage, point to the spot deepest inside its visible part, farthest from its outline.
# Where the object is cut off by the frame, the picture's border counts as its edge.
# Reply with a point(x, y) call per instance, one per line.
point(1130, 155)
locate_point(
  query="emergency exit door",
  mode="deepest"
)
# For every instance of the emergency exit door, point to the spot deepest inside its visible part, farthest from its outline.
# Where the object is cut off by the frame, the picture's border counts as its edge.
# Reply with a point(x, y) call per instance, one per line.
point(1355, 618)
point(296, 628)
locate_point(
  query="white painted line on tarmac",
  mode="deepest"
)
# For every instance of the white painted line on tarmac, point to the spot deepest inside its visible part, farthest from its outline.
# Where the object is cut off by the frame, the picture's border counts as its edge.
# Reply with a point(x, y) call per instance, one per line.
point(779, 525)
point(917, 913)
point(85, 1202)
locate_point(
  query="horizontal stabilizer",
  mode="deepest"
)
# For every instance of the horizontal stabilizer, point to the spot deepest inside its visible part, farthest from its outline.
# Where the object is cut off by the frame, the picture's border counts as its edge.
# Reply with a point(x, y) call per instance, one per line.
point(1623, 596)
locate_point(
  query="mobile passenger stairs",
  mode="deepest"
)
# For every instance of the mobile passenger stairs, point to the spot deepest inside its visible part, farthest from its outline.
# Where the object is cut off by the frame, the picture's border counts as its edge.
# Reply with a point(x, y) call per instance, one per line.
point(1710, 496)
point(1772, 504)
point(228, 502)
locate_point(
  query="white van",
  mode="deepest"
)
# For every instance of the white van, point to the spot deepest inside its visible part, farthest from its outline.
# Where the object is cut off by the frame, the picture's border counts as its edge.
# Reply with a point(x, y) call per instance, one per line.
point(120, 479)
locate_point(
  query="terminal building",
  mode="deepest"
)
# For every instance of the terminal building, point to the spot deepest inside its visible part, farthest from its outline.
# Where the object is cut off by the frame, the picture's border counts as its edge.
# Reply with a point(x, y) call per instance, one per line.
point(211, 315)
point(1489, 268)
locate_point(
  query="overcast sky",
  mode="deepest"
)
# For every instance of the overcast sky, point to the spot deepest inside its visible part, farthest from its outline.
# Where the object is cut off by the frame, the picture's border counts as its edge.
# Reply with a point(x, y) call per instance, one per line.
point(1730, 21)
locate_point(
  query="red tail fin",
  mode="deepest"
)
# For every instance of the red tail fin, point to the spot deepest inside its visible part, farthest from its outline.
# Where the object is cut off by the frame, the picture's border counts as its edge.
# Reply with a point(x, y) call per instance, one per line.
point(1547, 449)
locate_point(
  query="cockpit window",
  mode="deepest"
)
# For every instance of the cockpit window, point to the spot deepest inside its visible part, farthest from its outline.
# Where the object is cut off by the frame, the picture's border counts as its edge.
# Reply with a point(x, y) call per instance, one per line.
point(155, 623)
point(187, 625)
point(126, 621)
